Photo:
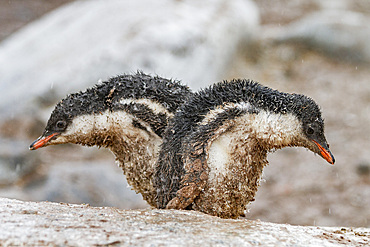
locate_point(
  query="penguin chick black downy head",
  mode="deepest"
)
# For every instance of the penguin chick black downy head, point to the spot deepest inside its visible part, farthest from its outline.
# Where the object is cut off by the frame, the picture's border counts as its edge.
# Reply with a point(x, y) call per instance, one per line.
point(127, 114)
point(216, 146)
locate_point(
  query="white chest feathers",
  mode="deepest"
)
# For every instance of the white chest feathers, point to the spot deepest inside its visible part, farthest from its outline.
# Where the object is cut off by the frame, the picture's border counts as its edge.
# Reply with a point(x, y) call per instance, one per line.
point(219, 155)
point(100, 123)
point(93, 129)
point(238, 143)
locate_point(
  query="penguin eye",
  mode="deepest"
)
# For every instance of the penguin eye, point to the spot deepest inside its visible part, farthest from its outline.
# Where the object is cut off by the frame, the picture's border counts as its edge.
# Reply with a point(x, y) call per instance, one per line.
point(310, 131)
point(61, 124)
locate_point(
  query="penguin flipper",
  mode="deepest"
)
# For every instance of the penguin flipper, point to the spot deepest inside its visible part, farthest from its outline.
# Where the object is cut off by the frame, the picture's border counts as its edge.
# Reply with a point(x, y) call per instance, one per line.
point(193, 182)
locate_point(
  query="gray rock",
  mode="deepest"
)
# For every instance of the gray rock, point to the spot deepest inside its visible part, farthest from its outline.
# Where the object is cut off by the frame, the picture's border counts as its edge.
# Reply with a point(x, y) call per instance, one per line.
point(343, 35)
point(97, 183)
point(45, 223)
point(84, 41)
point(16, 162)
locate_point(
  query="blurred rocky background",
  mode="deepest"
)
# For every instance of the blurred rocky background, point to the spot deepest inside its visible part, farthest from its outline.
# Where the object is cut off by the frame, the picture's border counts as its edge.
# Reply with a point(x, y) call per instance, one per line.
point(319, 48)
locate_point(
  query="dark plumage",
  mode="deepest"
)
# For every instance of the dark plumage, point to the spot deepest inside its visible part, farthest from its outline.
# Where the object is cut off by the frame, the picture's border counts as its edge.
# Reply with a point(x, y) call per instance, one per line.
point(106, 96)
point(216, 146)
point(127, 114)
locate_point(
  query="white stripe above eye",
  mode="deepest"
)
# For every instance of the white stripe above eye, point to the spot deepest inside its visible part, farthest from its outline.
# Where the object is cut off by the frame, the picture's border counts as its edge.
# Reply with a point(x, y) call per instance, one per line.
point(156, 107)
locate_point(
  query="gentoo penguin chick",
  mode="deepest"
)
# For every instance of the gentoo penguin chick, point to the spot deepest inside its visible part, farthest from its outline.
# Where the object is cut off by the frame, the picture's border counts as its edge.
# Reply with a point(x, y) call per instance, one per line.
point(126, 114)
point(216, 146)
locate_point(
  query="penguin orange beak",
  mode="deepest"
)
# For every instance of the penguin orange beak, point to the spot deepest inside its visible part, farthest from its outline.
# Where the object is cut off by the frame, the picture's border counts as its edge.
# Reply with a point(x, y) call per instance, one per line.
point(325, 153)
point(42, 141)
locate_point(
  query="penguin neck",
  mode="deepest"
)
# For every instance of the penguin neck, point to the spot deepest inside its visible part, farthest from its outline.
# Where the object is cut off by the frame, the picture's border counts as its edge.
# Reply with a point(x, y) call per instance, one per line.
point(132, 141)
point(272, 130)
point(258, 132)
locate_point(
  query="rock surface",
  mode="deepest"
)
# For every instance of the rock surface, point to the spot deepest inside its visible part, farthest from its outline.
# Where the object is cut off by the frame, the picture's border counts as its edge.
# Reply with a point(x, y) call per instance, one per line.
point(341, 34)
point(100, 183)
point(45, 223)
point(84, 41)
